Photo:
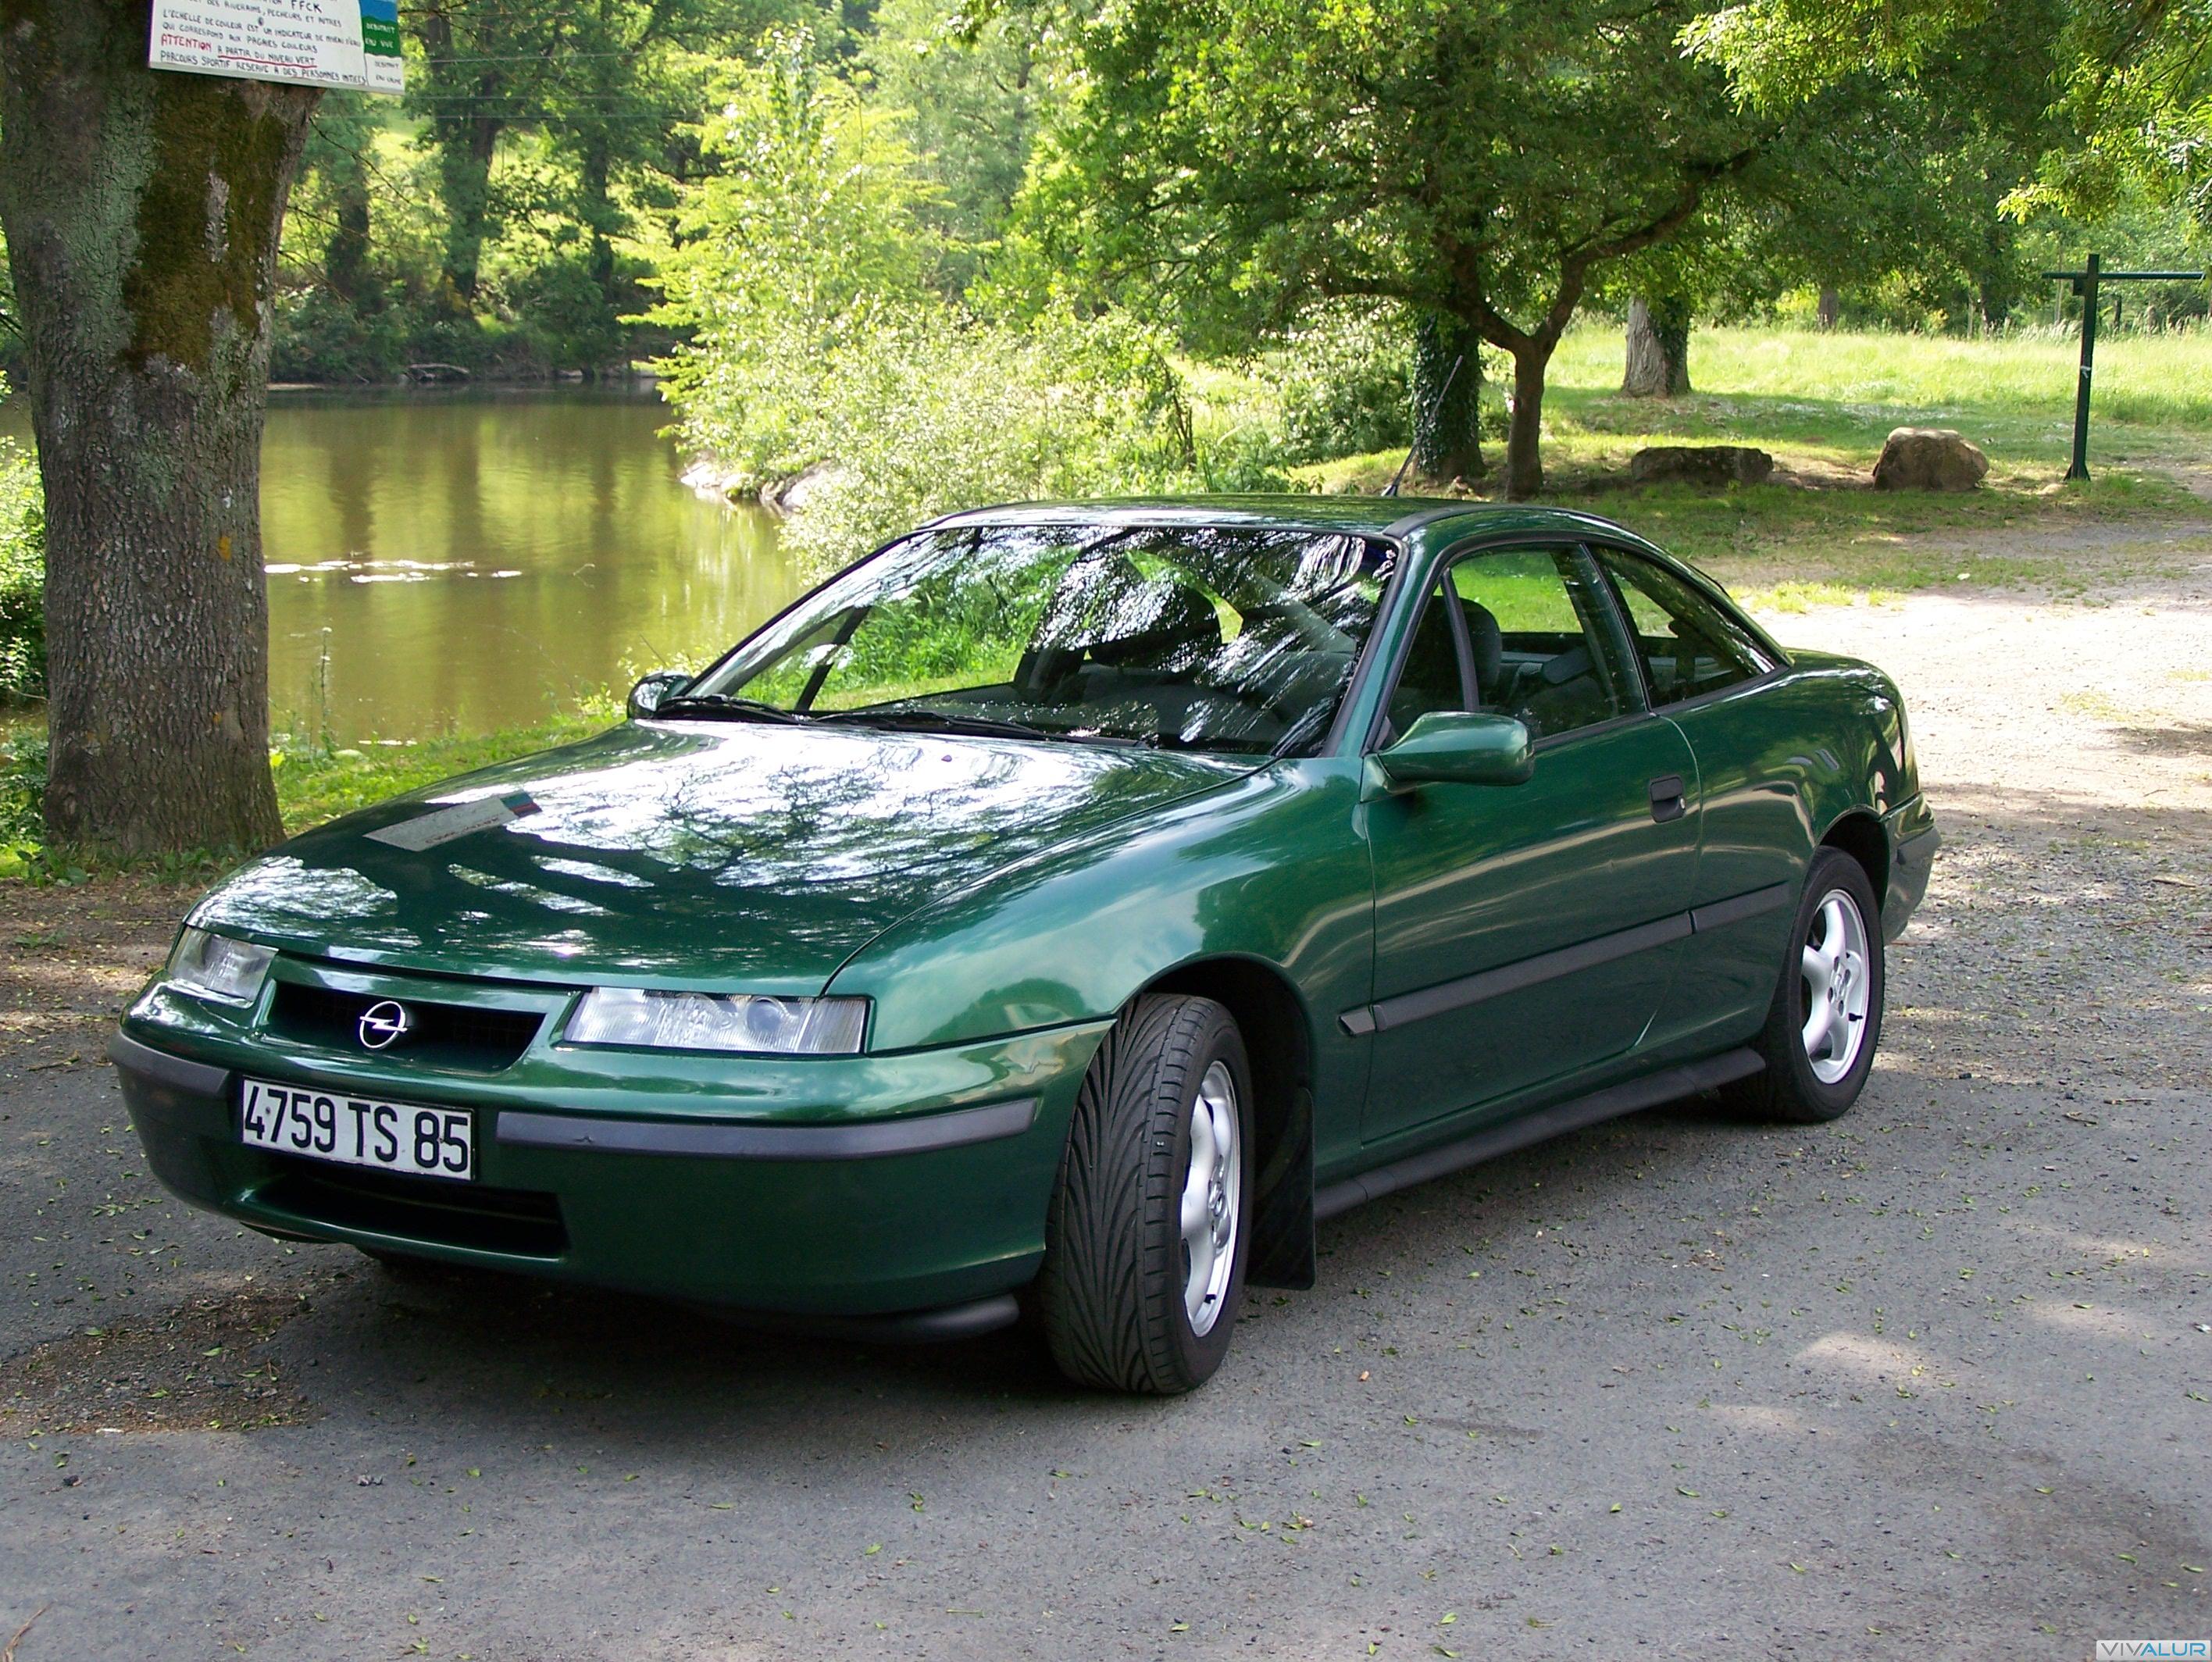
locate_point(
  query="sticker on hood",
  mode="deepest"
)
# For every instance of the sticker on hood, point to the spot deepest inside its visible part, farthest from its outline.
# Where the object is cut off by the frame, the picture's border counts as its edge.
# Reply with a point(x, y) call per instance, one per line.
point(444, 824)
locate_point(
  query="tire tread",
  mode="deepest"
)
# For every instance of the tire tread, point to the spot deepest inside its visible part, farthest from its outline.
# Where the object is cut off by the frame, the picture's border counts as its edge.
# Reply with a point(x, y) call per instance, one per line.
point(1108, 1254)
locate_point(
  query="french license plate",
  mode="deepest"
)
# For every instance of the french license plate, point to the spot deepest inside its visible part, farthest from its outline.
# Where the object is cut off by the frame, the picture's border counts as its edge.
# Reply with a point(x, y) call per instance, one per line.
point(357, 1130)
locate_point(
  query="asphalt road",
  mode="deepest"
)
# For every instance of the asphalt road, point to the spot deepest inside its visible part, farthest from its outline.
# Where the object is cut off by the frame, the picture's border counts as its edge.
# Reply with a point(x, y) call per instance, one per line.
point(1933, 1380)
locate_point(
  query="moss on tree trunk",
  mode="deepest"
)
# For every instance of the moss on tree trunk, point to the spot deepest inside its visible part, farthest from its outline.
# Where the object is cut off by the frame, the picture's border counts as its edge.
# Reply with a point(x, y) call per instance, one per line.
point(1658, 361)
point(1447, 406)
point(142, 210)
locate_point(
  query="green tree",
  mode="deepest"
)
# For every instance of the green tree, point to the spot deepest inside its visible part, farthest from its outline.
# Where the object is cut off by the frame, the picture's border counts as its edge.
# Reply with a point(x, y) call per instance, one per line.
point(816, 209)
point(338, 154)
point(1485, 160)
point(142, 211)
point(612, 88)
point(976, 90)
point(481, 66)
point(22, 574)
point(2131, 80)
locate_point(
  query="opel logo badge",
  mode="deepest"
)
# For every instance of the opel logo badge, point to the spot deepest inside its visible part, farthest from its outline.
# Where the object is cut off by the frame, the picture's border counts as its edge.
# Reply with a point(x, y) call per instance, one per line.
point(383, 1024)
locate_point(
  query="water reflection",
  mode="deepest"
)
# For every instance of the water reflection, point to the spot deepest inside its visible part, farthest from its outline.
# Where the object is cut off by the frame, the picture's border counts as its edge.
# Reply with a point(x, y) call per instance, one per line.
point(472, 559)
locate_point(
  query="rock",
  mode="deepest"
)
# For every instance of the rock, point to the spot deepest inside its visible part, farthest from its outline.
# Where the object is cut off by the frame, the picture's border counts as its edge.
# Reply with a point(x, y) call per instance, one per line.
point(1929, 458)
point(1700, 465)
point(792, 495)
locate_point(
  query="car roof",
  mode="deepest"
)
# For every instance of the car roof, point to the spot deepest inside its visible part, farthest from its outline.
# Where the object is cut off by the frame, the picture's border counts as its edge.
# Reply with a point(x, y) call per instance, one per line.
point(1375, 516)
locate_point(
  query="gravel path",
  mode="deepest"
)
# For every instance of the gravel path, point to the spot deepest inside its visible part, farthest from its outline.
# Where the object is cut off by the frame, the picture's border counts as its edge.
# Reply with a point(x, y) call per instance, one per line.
point(1936, 1380)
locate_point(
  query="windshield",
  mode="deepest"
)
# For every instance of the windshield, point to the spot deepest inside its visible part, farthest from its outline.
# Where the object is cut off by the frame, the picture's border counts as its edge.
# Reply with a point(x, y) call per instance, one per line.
point(1191, 637)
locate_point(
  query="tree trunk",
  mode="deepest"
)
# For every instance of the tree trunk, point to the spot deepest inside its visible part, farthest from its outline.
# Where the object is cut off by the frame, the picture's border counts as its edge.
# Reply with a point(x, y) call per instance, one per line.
point(599, 215)
point(334, 151)
point(1832, 306)
point(466, 147)
point(1447, 422)
point(142, 210)
point(465, 142)
point(1658, 348)
point(1524, 438)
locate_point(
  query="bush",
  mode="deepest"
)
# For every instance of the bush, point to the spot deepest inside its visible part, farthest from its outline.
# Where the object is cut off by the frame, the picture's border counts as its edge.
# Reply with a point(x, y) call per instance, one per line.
point(804, 281)
point(318, 337)
point(922, 409)
point(23, 577)
point(1342, 383)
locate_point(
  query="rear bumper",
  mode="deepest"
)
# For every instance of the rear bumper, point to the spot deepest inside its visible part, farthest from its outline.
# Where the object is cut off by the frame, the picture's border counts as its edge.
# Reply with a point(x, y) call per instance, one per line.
point(1913, 840)
point(883, 1214)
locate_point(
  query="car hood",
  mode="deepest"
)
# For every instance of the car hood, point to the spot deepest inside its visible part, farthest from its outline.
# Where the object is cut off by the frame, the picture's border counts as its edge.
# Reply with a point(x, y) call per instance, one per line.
point(741, 856)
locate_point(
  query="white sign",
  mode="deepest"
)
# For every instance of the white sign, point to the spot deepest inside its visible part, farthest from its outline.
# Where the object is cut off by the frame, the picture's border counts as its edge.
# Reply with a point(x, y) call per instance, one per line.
point(316, 43)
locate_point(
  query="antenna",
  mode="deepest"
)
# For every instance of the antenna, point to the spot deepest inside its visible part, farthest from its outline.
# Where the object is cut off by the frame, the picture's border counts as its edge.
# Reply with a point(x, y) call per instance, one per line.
point(1443, 393)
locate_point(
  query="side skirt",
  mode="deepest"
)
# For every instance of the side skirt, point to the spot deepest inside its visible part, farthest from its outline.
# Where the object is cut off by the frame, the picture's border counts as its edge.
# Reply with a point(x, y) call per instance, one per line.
point(1522, 1129)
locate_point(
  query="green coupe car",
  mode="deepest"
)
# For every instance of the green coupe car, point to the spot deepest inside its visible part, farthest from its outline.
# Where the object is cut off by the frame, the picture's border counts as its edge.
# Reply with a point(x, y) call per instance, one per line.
point(1069, 904)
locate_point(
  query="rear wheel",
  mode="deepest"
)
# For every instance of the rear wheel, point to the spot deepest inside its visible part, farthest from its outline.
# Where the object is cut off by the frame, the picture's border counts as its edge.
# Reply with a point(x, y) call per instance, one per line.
point(1145, 1244)
point(1825, 1020)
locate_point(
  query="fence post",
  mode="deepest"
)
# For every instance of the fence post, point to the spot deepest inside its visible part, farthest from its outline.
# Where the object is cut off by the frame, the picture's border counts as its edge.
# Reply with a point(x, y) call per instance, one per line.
point(2088, 285)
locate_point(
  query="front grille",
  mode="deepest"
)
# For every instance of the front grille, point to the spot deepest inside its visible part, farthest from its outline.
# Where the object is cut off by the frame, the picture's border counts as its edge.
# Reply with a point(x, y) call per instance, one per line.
point(465, 1037)
point(426, 1209)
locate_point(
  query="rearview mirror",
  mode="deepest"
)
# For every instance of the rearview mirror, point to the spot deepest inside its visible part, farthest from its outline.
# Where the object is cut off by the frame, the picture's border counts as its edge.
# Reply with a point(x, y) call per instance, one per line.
point(1451, 747)
point(653, 690)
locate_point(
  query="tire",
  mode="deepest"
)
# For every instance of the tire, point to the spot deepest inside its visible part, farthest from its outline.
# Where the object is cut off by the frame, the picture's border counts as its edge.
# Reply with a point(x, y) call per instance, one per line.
point(1120, 1276)
point(1803, 1084)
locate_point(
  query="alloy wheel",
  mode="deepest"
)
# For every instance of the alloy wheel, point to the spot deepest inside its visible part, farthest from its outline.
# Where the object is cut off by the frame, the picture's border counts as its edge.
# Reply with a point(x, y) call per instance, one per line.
point(1212, 1193)
point(1837, 986)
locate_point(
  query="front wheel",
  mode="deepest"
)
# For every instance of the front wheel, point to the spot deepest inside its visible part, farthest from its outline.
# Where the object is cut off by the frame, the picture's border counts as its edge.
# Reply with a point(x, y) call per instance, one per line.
point(1145, 1244)
point(1825, 1019)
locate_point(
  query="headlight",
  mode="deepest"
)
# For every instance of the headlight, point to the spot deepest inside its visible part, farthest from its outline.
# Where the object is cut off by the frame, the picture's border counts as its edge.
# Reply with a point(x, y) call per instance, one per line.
point(216, 966)
point(707, 1020)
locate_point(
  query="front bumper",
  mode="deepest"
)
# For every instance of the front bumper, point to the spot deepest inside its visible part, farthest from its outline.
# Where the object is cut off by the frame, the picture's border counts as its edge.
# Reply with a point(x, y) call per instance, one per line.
point(847, 1186)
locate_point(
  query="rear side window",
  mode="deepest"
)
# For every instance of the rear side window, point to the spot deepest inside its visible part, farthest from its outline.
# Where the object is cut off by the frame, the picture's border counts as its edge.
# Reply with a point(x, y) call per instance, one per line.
point(1688, 647)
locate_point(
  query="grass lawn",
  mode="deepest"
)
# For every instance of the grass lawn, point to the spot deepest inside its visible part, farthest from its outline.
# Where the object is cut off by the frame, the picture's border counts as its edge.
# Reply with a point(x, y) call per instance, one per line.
point(1823, 404)
point(312, 785)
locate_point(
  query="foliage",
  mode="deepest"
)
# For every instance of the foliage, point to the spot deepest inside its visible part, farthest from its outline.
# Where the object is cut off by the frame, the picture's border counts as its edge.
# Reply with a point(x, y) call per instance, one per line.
point(815, 207)
point(22, 574)
point(2130, 81)
point(924, 409)
point(1340, 380)
point(805, 276)
point(976, 89)
point(1233, 160)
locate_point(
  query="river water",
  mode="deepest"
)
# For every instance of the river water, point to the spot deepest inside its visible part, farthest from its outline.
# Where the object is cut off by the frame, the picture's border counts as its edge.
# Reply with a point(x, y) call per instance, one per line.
point(458, 561)
point(473, 559)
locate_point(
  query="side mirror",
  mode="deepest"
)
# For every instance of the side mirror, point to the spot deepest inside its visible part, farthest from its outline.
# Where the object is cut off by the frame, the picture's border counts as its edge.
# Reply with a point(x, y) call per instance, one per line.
point(653, 690)
point(1450, 747)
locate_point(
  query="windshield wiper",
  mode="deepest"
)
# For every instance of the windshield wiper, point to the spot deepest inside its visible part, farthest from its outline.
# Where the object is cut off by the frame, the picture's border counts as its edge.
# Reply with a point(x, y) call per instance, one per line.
point(942, 721)
point(725, 706)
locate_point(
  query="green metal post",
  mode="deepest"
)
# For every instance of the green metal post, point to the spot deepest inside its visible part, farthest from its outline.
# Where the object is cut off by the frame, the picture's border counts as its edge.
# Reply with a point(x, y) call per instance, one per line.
point(2088, 288)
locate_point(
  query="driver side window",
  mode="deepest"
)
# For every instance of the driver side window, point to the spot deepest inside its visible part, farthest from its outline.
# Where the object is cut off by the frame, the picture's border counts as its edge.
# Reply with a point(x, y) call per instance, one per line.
point(1538, 639)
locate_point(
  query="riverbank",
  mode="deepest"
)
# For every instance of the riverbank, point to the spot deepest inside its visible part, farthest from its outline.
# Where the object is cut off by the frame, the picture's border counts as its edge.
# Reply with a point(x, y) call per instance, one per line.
point(312, 785)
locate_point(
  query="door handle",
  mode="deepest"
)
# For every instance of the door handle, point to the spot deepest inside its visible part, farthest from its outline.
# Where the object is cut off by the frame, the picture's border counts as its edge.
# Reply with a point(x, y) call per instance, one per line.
point(1667, 800)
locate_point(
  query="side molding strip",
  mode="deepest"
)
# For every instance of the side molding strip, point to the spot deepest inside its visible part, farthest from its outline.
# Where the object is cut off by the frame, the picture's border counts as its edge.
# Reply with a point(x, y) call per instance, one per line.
point(1721, 913)
point(1405, 1008)
point(862, 1140)
point(1521, 1130)
point(1409, 1007)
